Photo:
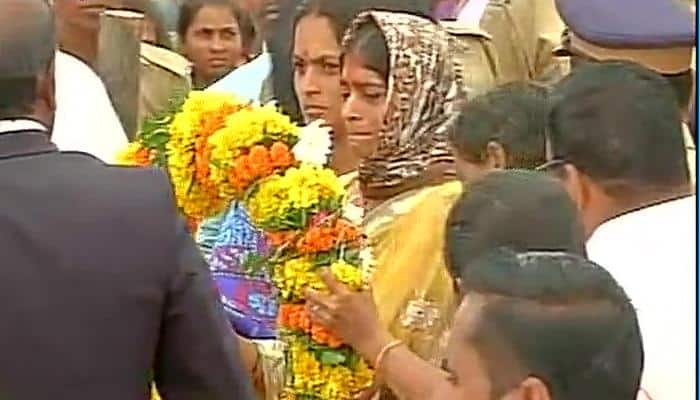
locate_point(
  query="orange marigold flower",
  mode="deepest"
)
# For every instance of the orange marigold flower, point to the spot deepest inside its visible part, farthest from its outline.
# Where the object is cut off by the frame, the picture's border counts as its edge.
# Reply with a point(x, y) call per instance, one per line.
point(260, 162)
point(318, 239)
point(192, 225)
point(295, 317)
point(346, 231)
point(280, 155)
point(143, 156)
point(243, 169)
point(280, 238)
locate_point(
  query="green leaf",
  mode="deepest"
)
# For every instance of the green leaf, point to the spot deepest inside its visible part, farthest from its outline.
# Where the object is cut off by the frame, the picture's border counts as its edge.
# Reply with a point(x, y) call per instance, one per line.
point(330, 357)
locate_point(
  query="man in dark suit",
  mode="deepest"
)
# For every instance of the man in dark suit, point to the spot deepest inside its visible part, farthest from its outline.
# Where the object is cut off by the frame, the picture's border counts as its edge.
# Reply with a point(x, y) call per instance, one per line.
point(102, 290)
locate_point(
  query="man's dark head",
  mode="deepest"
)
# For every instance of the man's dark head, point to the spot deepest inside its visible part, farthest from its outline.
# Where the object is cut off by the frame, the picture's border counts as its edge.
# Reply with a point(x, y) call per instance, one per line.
point(78, 23)
point(27, 52)
point(681, 82)
point(522, 210)
point(504, 128)
point(543, 326)
point(615, 136)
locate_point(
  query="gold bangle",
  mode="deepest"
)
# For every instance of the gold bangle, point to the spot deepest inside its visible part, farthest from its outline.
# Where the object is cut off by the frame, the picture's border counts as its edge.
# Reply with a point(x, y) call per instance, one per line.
point(384, 351)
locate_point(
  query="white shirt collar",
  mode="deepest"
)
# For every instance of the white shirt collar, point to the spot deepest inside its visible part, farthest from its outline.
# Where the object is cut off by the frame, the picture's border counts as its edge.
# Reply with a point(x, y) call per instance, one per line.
point(20, 124)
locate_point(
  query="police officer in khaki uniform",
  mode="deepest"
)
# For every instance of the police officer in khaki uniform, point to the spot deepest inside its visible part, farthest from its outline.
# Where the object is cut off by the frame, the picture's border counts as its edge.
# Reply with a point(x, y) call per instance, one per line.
point(476, 56)
point(165, 74)
point(523, 33)
point(600, 30)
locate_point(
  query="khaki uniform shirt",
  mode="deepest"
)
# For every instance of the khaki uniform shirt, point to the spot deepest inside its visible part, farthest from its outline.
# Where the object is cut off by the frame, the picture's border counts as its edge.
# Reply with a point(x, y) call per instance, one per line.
point(163, 74)
point(476, 56)
point(524, 33)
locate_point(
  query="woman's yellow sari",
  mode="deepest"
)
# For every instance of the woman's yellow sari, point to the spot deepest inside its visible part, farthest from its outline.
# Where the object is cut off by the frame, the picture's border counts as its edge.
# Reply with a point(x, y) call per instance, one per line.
point(412, 288)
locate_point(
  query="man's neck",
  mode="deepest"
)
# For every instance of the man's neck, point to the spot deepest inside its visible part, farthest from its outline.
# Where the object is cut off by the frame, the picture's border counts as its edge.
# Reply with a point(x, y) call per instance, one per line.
point(85, 50)
point(612, 208)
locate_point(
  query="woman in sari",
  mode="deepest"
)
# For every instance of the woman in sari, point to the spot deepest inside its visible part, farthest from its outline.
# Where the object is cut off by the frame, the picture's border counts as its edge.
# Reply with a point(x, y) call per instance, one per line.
point(316, 55)
point(403, 92)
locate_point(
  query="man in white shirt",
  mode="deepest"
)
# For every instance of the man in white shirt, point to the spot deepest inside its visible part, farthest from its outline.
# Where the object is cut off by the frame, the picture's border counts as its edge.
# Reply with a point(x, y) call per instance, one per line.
point(85, 118)
point(616, 142)
point(79, 90)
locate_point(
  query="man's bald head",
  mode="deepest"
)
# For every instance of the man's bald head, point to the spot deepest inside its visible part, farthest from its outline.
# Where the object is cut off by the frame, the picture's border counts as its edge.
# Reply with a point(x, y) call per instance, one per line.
point(27, 51)
point(27, 38)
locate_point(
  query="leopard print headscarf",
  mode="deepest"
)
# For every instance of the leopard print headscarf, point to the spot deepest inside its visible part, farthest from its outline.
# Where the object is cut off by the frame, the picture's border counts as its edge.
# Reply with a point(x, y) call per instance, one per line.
point(425, 90)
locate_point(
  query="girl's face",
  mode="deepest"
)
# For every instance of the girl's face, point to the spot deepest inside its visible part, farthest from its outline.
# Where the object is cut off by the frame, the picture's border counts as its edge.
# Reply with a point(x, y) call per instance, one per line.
point(365, 94)
point(316, 62)
point(213, 43)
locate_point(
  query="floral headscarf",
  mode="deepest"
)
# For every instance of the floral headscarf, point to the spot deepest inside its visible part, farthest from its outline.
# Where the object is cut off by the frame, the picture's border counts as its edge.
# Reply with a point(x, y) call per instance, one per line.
point(425, 90)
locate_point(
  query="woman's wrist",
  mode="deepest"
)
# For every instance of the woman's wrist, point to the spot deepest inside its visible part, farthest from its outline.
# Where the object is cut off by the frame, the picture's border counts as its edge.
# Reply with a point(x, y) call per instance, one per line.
point(371, 347)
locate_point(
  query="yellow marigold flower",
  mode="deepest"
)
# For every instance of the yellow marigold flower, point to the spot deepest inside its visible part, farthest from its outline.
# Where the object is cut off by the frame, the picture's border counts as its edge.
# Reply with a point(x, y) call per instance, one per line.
point(244, 129)
point(294, 276)
point(133, 154)
point(309, 376)
point(203, 113)
point(350, 275)
point(299, 188)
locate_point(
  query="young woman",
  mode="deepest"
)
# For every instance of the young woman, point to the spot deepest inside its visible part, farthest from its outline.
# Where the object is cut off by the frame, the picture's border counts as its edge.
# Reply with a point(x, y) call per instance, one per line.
point(402, 93)
point(215, 36)
point(316, 51)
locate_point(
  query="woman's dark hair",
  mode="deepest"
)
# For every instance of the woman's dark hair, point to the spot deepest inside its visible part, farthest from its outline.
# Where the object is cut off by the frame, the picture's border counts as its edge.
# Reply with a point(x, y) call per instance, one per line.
point(370, 44)
point(518, 209)
point(190, 9)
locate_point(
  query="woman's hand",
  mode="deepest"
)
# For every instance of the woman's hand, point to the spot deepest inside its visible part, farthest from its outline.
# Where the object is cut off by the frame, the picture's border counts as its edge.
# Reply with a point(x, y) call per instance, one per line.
point(350, 315)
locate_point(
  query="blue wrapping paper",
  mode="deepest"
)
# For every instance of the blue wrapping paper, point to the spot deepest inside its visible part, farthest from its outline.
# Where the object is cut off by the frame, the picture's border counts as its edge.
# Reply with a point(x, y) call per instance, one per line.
point(248, 296)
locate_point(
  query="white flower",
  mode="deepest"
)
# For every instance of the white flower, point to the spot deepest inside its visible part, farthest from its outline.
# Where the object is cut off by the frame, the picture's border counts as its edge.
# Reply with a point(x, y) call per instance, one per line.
point(314, 144)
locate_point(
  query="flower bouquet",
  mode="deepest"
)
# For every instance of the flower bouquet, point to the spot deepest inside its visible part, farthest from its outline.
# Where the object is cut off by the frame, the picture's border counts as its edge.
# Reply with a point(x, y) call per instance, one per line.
point(220, 152)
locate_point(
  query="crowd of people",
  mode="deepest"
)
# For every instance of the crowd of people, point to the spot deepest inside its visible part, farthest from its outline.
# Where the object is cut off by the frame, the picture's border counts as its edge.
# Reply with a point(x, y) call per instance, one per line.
point(533, 240)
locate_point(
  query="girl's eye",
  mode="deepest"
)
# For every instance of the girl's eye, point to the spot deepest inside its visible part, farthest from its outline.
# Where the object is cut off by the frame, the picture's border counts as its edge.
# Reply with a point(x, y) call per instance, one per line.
point(374, 95)
point(331, 68)
point(452, 378)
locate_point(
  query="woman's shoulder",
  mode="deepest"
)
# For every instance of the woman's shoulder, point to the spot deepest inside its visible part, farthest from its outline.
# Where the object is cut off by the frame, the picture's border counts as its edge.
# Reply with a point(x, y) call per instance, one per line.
point(414, 205)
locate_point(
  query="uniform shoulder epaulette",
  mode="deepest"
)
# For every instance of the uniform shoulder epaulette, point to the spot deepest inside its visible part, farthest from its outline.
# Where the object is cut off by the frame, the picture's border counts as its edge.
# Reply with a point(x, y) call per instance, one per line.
point(166, 59)
point(458, 28)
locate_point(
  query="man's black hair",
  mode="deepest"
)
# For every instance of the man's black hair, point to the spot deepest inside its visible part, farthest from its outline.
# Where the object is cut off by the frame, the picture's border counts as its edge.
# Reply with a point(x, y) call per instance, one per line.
point(522, 210)
point(513, 115)
point(27, 50)
point(619, 123)
point(557, 317)
point(681, 83)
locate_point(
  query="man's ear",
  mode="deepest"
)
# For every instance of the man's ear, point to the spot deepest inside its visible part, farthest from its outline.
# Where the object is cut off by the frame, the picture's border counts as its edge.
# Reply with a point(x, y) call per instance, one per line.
point(46, 88)
point(496, 155)
point(530, 389)
point(534, 389)
point(576, 185)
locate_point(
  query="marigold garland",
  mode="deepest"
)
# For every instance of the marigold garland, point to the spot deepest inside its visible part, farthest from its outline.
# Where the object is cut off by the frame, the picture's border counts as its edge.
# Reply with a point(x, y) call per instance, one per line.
point(254, 143)
point(281, 202)
point(218, 149)
point(202, 115)
point(310, 378)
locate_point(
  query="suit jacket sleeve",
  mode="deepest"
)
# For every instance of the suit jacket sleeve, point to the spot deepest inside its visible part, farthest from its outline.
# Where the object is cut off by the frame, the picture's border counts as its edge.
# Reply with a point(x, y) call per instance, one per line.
point(198, 356)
